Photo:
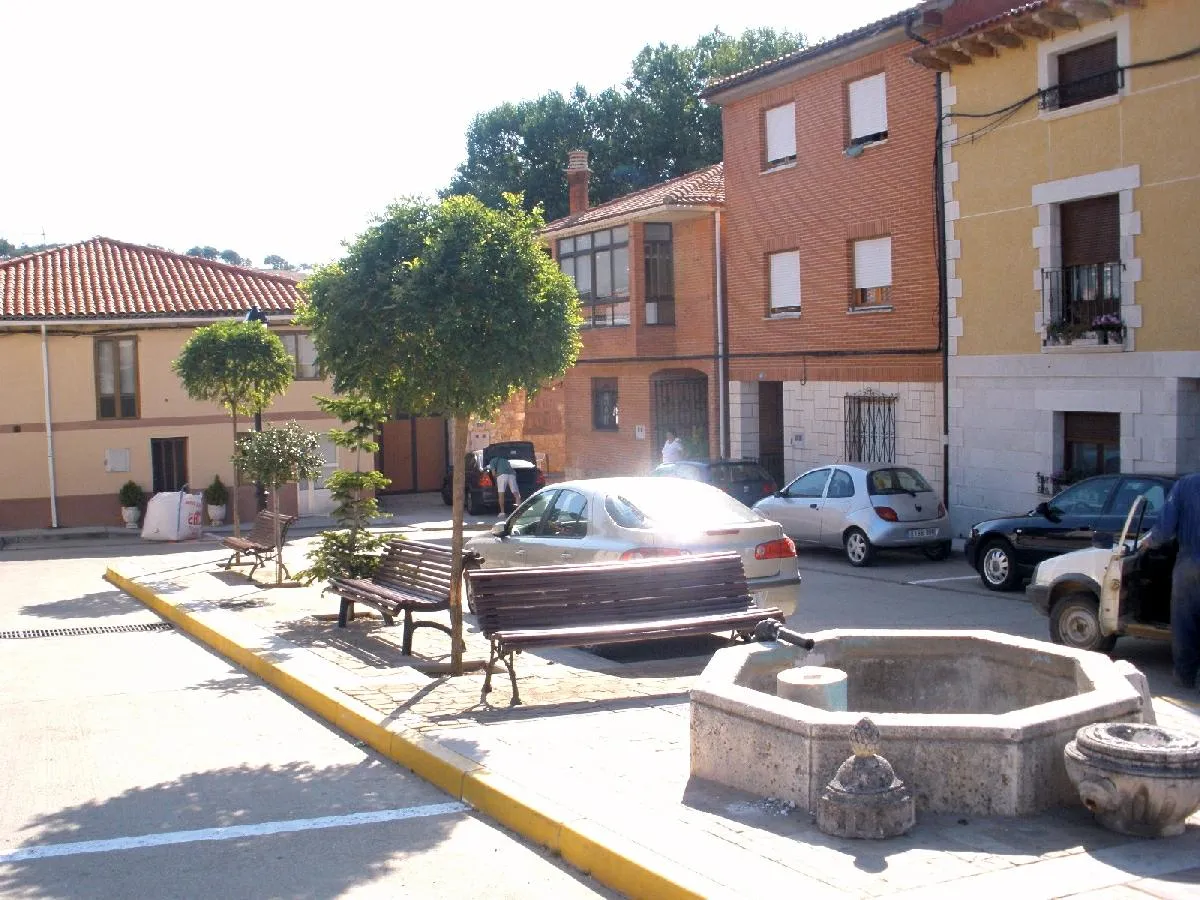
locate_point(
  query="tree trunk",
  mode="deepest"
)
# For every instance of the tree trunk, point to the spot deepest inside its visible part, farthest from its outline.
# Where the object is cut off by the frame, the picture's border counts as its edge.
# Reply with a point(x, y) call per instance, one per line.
point(278, 542)
point(237, 481)
point(458, 449)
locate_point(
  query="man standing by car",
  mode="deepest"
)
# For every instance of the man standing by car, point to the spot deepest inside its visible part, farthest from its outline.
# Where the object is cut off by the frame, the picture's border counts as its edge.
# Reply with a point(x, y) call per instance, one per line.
point(1181, 519)
point(506, 479)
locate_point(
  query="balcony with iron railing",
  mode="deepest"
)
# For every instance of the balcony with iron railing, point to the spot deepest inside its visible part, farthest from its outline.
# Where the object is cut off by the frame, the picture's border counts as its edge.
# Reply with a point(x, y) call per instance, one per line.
point(1083, 302)
point(1082, 90)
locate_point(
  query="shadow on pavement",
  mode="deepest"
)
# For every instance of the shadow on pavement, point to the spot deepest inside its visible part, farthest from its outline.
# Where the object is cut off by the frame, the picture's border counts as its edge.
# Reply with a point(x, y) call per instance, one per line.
point(101, 603)
point(1052, 832)
point(220, 798)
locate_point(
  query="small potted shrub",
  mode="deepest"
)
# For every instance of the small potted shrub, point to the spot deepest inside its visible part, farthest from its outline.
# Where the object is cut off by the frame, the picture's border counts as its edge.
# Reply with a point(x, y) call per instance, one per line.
point(131, 496)
point(216, 495)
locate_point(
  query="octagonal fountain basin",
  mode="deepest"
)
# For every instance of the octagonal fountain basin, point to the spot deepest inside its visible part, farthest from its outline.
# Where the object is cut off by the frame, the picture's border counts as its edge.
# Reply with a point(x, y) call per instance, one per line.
point(974, 722)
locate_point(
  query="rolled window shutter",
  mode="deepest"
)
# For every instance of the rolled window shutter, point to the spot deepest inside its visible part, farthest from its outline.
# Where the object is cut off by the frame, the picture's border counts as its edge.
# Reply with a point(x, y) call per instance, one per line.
point(785, 280)
point(781, 132)
point(873, 263)
point(868, 106)
point(1091, 231)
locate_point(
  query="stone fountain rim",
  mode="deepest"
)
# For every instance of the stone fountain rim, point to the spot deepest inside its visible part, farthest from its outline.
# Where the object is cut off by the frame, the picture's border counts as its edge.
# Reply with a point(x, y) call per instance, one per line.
point(717, 687)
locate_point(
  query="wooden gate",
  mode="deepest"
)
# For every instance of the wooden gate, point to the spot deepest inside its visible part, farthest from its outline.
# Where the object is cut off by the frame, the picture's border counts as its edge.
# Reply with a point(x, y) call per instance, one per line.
point(413, 452)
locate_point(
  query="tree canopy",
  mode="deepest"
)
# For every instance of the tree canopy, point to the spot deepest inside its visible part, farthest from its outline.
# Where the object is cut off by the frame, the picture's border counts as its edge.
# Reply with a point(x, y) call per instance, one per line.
point(445, 309)
point(653, 127)
point(241, 365)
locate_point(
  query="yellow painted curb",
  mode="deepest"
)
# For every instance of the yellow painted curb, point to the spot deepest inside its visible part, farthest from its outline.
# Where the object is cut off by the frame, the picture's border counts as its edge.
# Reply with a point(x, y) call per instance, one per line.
point(611, 859)
point(627, 867)
point(494, 795)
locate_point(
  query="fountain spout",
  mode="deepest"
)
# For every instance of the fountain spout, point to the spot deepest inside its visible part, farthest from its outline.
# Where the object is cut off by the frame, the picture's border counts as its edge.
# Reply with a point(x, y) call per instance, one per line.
point(774, 630)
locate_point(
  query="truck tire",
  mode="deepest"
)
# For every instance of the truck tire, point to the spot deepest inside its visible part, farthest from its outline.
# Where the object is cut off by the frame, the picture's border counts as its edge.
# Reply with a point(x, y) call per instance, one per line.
point(1075, 622)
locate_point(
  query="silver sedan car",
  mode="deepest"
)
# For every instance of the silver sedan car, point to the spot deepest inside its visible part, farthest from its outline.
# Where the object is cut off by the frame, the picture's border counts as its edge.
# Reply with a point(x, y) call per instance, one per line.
point(606, 519)
point(860, 507)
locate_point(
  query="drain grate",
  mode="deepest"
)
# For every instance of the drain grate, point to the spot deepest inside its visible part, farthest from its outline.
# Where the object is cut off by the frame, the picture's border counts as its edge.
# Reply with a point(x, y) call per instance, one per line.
point(89, 629)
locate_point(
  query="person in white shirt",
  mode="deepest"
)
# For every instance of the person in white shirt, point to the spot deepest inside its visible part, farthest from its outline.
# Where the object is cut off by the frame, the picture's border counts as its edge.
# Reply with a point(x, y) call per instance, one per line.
point(672, 450)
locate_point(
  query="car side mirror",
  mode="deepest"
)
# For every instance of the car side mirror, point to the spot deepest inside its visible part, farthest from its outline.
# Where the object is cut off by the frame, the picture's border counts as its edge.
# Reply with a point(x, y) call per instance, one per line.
point(1102, 540)
point(1047, 511)
point(500, 529)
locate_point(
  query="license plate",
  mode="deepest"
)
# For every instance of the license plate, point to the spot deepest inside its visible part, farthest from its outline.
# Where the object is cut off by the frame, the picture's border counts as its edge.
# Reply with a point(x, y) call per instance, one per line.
point(922, 532)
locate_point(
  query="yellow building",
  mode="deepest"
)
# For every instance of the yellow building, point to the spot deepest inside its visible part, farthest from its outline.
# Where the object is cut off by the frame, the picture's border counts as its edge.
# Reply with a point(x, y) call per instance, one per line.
point(1071, 174)
point(88, 400)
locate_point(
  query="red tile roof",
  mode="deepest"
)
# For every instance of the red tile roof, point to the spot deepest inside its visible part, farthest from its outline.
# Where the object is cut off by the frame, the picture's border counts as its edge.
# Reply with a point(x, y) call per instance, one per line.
point(106, 279)
point(1003, 15)
point(705, 187)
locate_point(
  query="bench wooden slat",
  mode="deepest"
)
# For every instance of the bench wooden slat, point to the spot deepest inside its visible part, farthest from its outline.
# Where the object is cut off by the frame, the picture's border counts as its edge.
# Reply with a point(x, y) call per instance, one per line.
point(413, 576)
point(260, 541)
point(602, 603)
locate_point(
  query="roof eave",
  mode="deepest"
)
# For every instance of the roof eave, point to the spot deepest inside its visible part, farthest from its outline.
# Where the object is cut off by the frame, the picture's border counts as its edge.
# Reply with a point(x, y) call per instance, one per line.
point(629, 217)
point(820, 60)
point(173, 320)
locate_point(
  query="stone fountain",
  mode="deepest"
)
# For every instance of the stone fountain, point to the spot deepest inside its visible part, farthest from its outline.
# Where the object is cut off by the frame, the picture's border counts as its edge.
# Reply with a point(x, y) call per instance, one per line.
point(973, 722)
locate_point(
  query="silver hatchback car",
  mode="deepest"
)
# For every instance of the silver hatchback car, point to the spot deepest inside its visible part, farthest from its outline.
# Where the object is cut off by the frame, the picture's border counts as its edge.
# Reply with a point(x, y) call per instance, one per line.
point(609, 519)
point(860, 507)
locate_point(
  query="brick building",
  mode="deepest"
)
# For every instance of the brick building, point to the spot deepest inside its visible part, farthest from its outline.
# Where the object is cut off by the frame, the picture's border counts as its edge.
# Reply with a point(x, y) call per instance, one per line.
point(648, 273)
point(834, 315)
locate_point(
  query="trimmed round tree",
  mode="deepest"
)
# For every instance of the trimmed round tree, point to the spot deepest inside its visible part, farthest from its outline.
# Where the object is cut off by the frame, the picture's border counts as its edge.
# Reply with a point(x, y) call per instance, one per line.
point(446, 309)
point(279, 456)
point(241, 365)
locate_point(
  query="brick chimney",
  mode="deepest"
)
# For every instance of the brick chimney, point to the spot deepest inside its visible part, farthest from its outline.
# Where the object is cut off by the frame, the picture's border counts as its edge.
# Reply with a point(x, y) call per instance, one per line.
point(578, 175)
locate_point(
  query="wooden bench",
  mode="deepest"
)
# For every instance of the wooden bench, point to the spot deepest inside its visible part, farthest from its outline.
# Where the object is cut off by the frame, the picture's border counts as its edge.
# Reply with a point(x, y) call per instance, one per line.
point(260, 542)
point(609, 603)
point(413, 576)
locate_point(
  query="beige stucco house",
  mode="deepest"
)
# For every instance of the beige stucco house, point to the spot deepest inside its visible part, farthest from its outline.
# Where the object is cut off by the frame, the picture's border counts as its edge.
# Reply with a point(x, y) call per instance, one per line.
point(87, 396)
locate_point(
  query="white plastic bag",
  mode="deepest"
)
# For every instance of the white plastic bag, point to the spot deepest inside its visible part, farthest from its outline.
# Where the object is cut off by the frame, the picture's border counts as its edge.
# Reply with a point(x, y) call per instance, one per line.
point(173, 516)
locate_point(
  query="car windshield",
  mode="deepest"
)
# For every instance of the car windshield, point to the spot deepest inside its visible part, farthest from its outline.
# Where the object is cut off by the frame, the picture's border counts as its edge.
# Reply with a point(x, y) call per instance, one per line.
point(897, 481)
point(674, 503)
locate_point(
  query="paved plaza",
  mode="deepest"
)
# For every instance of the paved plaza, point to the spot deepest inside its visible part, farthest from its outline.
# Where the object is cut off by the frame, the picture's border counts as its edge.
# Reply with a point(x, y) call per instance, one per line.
point(604, 742)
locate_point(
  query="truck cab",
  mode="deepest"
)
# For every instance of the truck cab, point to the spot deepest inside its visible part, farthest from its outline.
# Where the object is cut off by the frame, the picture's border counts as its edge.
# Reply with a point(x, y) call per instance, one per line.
point(1095, 595)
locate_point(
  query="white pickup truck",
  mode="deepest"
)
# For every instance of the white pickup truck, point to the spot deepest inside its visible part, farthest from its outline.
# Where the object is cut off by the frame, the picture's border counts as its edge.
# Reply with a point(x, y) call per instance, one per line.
point(1095, 595)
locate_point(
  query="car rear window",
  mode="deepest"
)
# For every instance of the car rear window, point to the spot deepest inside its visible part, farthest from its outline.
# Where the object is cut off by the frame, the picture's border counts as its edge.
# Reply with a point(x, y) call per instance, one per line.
point(676, 503)
point(896, 481)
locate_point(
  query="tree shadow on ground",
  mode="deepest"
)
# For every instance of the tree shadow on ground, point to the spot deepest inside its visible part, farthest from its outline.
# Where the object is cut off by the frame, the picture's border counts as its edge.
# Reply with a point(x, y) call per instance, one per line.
point(258, 866)
point(85, 606)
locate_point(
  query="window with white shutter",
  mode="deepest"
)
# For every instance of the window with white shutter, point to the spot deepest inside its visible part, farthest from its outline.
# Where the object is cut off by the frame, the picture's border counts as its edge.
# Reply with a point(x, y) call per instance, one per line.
point(868, 110)
point(781, 134)
point(872, 272)
point(785, 282)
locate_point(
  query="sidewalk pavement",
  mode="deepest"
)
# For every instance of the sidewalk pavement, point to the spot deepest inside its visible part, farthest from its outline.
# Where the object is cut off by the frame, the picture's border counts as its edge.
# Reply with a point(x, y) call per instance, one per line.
point(405, 512)
point(595, 764)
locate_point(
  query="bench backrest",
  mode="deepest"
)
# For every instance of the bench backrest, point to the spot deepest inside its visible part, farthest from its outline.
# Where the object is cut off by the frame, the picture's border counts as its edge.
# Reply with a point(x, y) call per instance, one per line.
point(608, 593)
point(263, 531)
point(416, 565)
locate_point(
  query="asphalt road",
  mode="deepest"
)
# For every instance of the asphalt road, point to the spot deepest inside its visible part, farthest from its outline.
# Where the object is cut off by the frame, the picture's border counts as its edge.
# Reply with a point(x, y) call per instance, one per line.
point(138, 764)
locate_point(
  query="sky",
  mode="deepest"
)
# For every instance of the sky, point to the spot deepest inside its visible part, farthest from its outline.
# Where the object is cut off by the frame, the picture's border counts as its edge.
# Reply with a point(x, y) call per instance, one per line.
point(282, 128)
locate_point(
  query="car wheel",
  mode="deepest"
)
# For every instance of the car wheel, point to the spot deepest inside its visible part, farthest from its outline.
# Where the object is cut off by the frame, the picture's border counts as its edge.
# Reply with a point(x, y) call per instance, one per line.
point(858, 547)
point(997, 568)
point(1075, 622)
point(937, 552)
point(466, 589)
point(474, 504)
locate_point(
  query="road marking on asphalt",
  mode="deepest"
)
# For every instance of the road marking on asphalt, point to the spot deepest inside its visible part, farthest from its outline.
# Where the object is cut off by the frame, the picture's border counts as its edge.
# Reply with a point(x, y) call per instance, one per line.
point(936, 580)
point(229, 833)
